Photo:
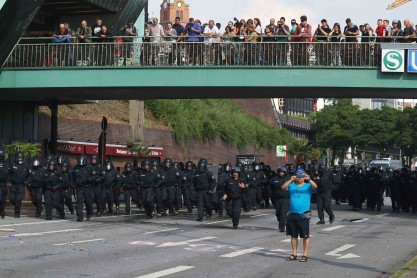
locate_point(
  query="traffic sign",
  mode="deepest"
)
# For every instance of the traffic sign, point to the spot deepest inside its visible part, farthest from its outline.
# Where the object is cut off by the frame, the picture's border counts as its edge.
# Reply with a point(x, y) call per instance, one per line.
point(392, 60)
point(281, 151)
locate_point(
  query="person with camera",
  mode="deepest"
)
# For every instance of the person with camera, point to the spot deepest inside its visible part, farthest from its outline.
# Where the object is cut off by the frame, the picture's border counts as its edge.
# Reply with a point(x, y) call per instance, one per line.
point(194, 31)
point(127, 31)
point(283, 35)
point(300, 188)
point(240, 34)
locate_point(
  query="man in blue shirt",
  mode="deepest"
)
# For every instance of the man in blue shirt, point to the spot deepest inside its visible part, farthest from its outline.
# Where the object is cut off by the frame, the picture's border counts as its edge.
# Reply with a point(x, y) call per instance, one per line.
point(300, 188)
point(194, 48)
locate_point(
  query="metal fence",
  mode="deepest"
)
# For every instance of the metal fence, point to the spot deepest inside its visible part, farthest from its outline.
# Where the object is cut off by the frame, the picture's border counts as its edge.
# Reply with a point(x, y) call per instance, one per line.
point(227, 54)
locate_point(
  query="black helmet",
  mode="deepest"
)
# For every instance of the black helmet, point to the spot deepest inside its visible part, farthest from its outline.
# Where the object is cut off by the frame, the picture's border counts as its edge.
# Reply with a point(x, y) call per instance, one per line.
point(167, 163)
point(396, 173)
point(291, 168)
point(93, 159)
point(336, 168)
point(239, 164)
point(227, 167)
point(19, 158)
point(146, 164)
point(414, 175)
point(155, 165)
point(188, 166)
point(282, 170)
point(36, 162)
point(236, 170)
point(2, 155)
point(202, 166)
point(51, 165)
point(256, 167)
point(176, 165)
point(60, 159)
point(109, 166)
point(361, 171)
point(128, 167)
point(381, 168)
point(50, 157)
point(65, 167)
point(261, 165)
point(374, 170)
point(181, 166)
point(82, 160)
point(245, 168)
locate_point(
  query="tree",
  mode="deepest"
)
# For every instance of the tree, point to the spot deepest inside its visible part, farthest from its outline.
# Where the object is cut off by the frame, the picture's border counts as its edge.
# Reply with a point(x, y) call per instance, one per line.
point(29, 150)
point(299, 149)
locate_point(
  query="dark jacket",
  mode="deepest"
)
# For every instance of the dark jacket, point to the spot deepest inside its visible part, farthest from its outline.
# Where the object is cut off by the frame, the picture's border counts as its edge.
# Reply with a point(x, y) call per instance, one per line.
point(19, 173)
point(276, 184)
point(233, 190)
point(81, 176)
point(51, 180)
point(130, 180)
point(204, 181)
point(109, 178)
point(35, 178)
point(149, 179)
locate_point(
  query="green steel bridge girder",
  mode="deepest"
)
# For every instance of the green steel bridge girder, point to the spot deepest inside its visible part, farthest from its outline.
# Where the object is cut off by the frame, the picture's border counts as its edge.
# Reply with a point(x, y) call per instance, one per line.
point(194, 82)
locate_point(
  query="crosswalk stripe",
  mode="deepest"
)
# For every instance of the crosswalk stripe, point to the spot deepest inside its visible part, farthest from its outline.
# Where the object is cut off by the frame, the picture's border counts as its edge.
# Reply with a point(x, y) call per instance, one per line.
point(161, 231)
point(333, 228)
point(167, 272)
point(241, 252)
point(76, 242)
point(34, 223)
point(44, 233)
point(210, 223)
point(259, 215)
point(171, 244)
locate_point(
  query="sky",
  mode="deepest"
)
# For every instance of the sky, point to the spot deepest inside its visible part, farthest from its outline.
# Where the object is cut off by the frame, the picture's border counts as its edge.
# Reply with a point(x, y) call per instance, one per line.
point(360, 11)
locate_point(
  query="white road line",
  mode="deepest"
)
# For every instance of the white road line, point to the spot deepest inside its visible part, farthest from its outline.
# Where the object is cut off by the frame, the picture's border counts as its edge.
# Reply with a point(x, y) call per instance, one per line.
point(210, 223)
point(161, 231)
point(115, 216)
point(382, 215)
point(43, 233)
point(286, 240)
point(361, 220)
point(186, 242)
point(241, 252)
point(34, 223)
point(259, 215)
point(333, 228)
point(166, 272)
point(81, 241)
point(340, 249)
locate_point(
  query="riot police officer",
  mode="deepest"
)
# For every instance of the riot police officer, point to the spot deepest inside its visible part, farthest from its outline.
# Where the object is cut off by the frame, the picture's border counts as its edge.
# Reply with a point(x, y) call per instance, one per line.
point(109, 179)
point(354, 188)
point(96, 187)
point(130, 182)
point(374, 188)
point(149, 180)
point(188, 188)
point(255, 179)
point(66, 186)
point(19, 173)
point(323, 179)
point(51, 191)
point(35, 185)
point(280, 197)
point(222, 178)
point(170, 177)
point(413, 192)
point(82, 179)
point(234, 188)
point(204, 181)
point(337, 181)
point(4, 174)
point(394, 183)
point(178, 185)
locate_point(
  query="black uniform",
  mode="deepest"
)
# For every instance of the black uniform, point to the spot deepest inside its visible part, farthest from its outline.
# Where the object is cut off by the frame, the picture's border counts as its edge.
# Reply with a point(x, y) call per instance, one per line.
point(18, 176)
point(96, 187)
point(130, 183)
point(373, 193)
point(218, 202)
point(4, 174)
point(67, 190)
point(149, 180)
point(36, 178)
point(280, 199)
point(188, 189)
point(394, 184)
point(234, 199)
point(324, 195)
point(204, 181)
point(337, 186)
point(52, 193)
point(354, 187)
point(171, 177)
point(82, 179)
point(255, 180)
point(109, 179)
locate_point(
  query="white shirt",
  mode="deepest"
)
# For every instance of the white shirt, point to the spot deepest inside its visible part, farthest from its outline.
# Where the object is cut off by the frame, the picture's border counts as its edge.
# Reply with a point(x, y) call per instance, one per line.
point(213, 30)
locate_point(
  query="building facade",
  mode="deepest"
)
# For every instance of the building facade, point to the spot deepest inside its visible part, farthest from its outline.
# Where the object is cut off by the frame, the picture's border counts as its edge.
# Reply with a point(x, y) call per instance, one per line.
point(170, 9)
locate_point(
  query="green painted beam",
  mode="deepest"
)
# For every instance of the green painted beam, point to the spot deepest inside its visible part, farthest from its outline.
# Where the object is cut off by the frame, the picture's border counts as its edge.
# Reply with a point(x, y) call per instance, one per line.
point(253, 82)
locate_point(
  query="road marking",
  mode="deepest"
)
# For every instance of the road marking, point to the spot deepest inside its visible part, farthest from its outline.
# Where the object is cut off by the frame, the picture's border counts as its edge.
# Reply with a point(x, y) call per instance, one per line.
point(161, 231)
point(166, 272)
point(286, 240)
point(361, 220)
point(186, 242)
point(43, 233)
point(241, 252)
point(81, 241)
point(349, 256)
point(382, 215)
point(333, 228)
point(210, 223)
point(34, 223)
point(340, 249)
point(259, 215)
point(114, 216)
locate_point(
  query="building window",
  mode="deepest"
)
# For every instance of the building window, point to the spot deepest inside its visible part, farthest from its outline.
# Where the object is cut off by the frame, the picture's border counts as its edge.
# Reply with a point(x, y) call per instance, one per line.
point(181, 15)
point(177, 14)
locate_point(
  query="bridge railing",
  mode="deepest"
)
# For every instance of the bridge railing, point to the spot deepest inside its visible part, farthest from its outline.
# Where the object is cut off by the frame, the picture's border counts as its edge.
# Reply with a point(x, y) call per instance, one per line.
point(223, 54)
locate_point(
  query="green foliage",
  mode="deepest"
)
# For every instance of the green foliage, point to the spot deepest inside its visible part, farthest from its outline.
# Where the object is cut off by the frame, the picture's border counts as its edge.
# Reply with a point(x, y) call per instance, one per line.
point(29, 150)
point(137, 147)
point(208, 119)
point(300, 149)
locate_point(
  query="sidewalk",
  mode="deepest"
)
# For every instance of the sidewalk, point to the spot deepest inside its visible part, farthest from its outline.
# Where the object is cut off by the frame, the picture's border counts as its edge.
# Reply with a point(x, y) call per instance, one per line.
point(407, 271)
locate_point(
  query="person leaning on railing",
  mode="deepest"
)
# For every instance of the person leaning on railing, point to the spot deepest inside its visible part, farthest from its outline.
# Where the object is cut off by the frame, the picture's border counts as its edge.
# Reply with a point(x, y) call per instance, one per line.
point(128, 32)
point(336, 36)
point(349, 50)
point(269, 48)
point(282, 31)
point(228, 46)
point(84, 34)
point(104, 48)
point(302, 36)
point(251, 46)
point(156, 35)
point(170, 36)
point(194, 31)
point(61, 35)
point(240, 33)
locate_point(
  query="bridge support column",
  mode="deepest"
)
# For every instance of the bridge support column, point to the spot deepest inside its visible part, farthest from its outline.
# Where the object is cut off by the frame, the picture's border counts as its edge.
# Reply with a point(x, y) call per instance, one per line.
point(53, 144)
point(137, 119)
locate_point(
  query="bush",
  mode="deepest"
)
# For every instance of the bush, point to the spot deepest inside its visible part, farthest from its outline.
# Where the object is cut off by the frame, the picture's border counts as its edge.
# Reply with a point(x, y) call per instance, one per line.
point(29, 150)
point(209, 119)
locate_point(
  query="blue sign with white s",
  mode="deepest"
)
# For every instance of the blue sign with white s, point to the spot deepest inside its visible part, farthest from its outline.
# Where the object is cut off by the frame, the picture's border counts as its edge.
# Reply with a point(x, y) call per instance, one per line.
point(412, 61)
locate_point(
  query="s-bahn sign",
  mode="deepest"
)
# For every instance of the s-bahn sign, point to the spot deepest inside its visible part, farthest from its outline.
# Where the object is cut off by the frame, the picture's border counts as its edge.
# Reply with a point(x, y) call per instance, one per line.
point(394, 60)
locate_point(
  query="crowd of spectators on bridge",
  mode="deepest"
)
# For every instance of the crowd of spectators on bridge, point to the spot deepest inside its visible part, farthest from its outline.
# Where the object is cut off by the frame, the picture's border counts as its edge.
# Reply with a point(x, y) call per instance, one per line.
point(241, 42)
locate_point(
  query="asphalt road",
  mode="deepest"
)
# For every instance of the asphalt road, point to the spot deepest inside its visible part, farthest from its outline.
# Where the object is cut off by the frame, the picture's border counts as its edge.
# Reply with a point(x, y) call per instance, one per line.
point(358, 244)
